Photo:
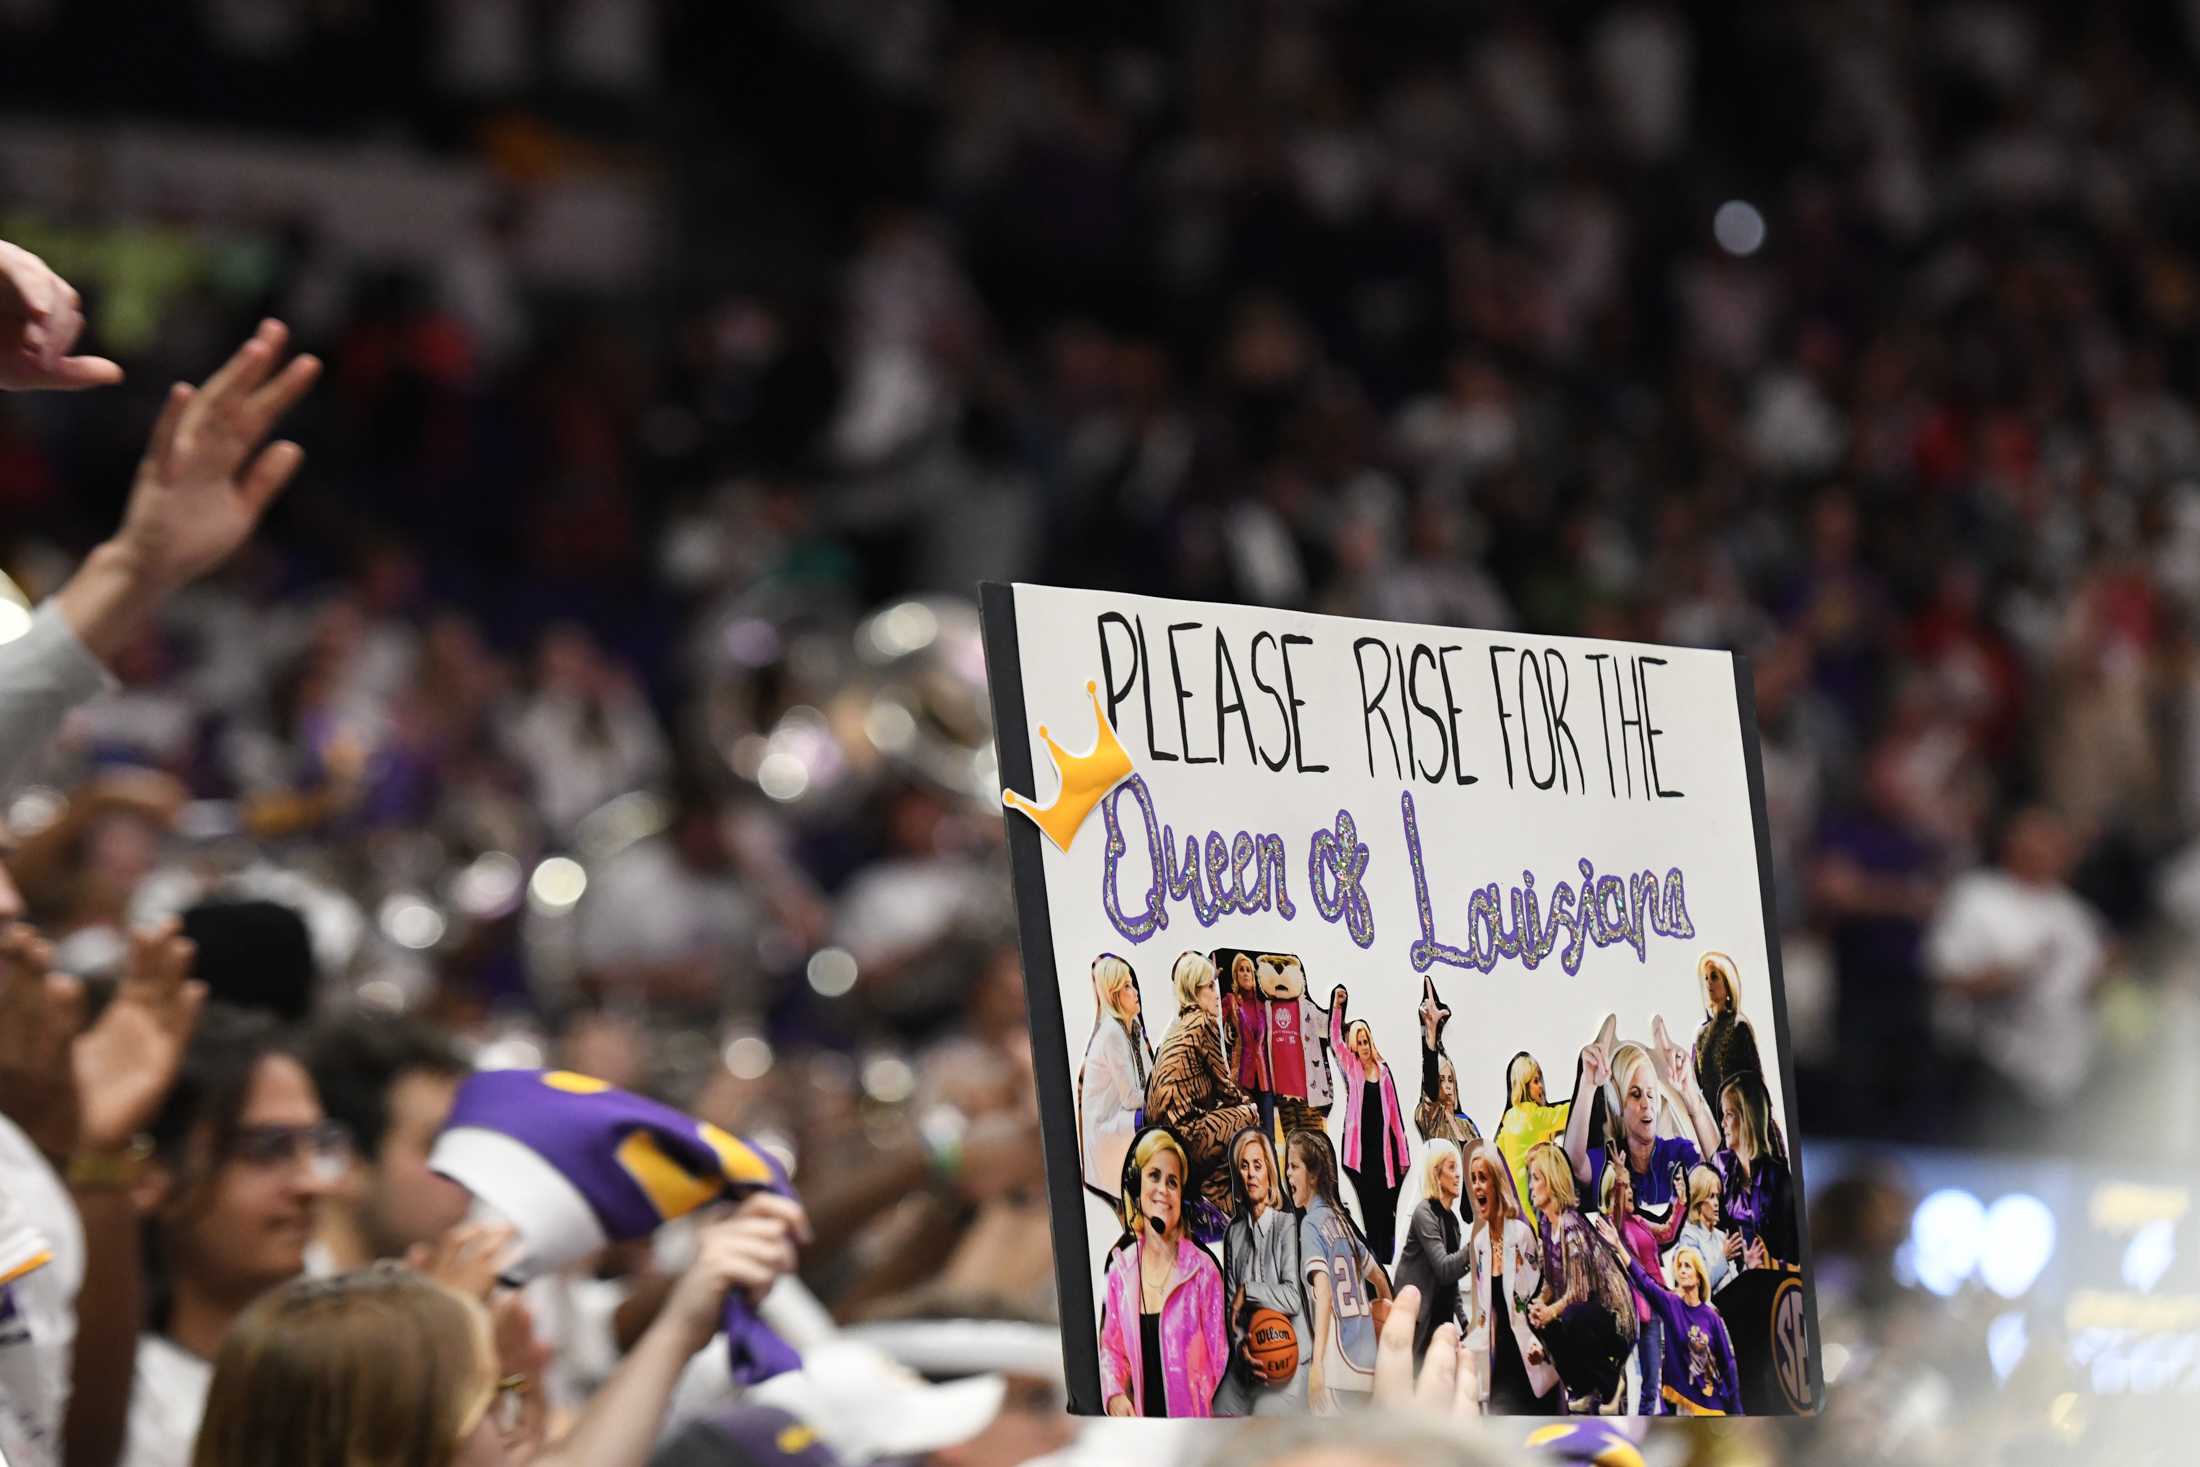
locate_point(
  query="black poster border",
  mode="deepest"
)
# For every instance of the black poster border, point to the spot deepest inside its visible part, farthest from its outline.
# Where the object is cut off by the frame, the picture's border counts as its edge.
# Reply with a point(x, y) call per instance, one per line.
point(1745, 702)
point(1043, 996)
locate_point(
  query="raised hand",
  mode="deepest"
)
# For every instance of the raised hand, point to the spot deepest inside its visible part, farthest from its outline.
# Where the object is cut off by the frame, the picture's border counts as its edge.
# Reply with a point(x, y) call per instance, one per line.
point(1671, 1060)
point(38, 1015)
point(124, 1065)
point(1596, 1064)
point(749, 1251)
point(1443, 1387)
point(522, 1358)
point(41, 317)
point(466, 1258)
point(1338, 998)
point(205, 481)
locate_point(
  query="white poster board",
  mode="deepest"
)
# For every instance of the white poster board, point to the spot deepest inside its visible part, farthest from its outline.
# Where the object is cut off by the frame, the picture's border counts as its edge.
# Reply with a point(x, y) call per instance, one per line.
point(1520, 845)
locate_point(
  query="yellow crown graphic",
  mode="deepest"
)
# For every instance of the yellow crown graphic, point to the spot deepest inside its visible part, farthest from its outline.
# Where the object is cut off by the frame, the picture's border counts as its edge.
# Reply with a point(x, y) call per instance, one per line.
point(1085, 778)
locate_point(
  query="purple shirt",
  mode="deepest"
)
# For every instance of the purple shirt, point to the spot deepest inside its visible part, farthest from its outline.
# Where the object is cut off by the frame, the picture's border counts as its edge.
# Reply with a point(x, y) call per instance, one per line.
point(1655, 1186)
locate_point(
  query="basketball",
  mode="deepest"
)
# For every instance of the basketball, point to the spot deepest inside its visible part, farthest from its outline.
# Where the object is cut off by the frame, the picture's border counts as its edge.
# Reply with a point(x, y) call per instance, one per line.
point(1273, 1346)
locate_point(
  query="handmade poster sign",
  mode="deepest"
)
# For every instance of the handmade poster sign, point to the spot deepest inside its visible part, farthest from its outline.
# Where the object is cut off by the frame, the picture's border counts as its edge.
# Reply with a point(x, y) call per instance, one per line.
point(1363, 955)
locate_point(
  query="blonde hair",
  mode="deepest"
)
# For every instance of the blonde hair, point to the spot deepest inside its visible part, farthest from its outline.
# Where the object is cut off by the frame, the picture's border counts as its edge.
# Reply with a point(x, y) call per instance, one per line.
point(379, 1368)
point(1518, 1079)
point(1500, 1179)
point(1703, 1186)
point(1192, 972)
point(1703, 1274)
point(1614, 1177)
point(1151, 1143)
point(1111, 976)
point(1361, 1026)
point(1723, 965)
point(1254, 1136)
point(1627, 1059)
point(1432, 1161)
point(1545, 1160)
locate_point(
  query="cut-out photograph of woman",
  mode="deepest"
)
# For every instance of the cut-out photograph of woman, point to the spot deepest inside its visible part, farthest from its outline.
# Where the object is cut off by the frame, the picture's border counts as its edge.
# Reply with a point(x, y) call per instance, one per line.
point(1635, 1079)
point(1163, 1348)
point(1642, 1244)
point(1347, 1292)
point(1505, 1275)
point(1757, 1201)
point(1700, 1228)
point(1192, 1091)
point(1370, 1129)
point(1698, 1373)
point(1260, 1269)
point(1529, 1119)
point(1726, 1045)
point(1584, 1311)
point(1432, 1249)
point(1439, 1115)
point(1111, 1083)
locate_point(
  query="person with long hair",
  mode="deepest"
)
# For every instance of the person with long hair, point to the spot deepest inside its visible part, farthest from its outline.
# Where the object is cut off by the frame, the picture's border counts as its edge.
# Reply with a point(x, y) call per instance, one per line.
point(1700, 1228)
point(1698, 1371)
point(386, 1368)
point(1758, 1198)
point(1641, 1242)
point(1434, 1256)
point(1439, 1115)
point(1163, 1349)
point(1529, 1119)
point(1373, 1140)
point(1658, 1165)
point(1585, 1311)
point(1246, 1025)
point(1260, 1269)
point(1506, 1273)
point(1346, 1288)
point(1725, 1045)
point(1111, 1087)
point(1192, 1091)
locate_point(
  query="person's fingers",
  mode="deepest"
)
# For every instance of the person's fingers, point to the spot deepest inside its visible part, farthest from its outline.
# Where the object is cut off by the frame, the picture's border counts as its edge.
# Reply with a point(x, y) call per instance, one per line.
point(65, 1004)
point(1440, 1371)
point(74, 374)
point(246, 368)
point(269, 403)
point(1394, 1349)
point(774, 1205)
point(1466, 1394)
point(160, 444)
point(270, 472)
point(31, 281)
point(190, 1003)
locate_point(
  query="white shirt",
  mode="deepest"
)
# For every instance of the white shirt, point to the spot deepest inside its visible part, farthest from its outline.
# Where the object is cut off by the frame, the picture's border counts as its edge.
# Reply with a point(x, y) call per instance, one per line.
point(38, 1306)
point(167, 1399)
point(1108, 1098)
point(43, 674)
point(2039, 1035)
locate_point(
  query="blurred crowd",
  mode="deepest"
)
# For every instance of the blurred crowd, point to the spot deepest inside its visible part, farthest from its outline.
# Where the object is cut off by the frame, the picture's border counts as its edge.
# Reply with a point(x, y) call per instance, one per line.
point(605, 692)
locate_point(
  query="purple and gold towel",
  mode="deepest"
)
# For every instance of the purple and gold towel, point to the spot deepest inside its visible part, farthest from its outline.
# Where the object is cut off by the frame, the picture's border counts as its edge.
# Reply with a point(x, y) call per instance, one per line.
point(575, 1164)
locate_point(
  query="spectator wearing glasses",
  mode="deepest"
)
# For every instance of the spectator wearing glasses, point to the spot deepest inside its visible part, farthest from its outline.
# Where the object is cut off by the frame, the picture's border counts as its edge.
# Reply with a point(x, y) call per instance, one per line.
point(243, 1155)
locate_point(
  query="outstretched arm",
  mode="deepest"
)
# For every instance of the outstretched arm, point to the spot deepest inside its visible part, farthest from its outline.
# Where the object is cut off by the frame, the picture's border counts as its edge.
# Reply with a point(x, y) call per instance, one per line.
point(1596, 1067)
point(1679, 1074)
point(1346, 1059)
point(201, 488)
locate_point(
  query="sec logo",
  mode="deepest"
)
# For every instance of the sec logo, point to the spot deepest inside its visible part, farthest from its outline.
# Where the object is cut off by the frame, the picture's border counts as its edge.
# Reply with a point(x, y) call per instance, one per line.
point(1283, 1018)
point(1791, 1345)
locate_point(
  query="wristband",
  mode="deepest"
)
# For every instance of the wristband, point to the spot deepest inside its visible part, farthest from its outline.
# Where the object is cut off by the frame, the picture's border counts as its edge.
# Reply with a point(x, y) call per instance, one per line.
point(110, 1171)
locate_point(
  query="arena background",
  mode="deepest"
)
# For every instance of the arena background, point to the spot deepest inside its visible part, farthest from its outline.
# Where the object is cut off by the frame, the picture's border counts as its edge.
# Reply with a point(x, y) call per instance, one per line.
point(607, 685)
